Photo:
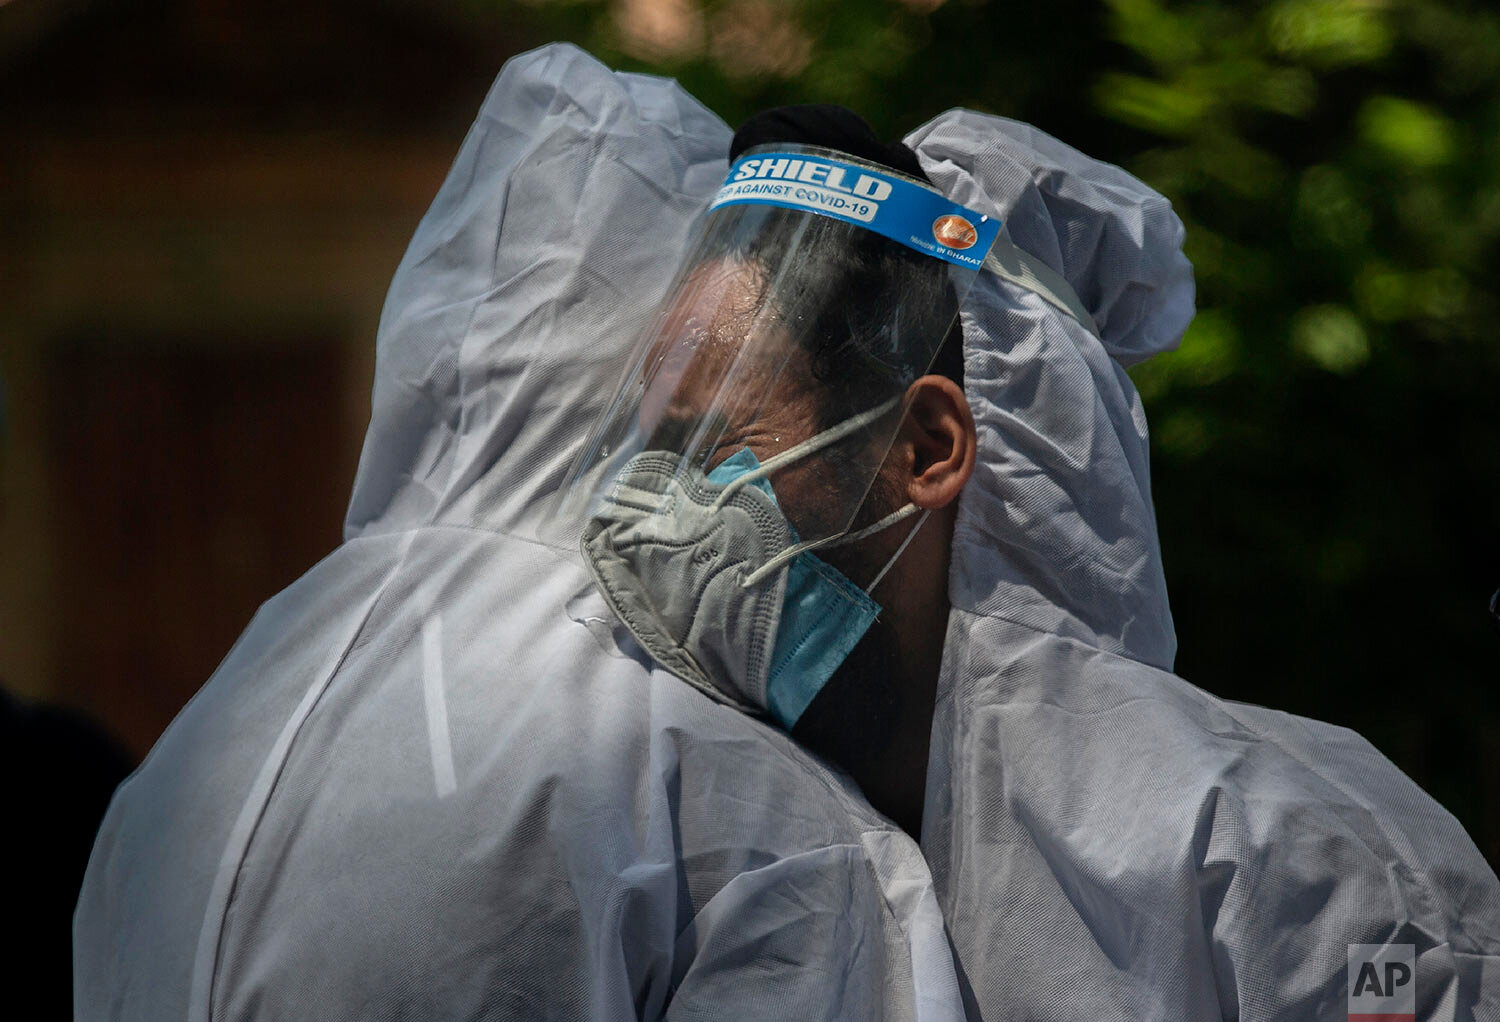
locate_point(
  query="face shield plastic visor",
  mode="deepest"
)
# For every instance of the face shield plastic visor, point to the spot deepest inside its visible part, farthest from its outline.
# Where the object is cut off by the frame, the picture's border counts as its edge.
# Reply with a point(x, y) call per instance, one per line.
point(818, 288)
point(769, 387)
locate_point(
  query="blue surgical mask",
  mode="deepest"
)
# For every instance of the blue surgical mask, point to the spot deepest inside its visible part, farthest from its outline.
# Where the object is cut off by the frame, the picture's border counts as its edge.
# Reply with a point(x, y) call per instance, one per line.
point(823, 615)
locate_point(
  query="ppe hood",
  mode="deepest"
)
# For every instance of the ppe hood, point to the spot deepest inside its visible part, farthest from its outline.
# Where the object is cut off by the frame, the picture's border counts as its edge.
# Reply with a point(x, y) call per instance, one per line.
point(1056, 530)
point(511, 315)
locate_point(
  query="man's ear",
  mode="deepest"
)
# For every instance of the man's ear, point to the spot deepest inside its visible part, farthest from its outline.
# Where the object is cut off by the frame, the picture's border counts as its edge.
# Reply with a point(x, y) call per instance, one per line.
point(939, 432)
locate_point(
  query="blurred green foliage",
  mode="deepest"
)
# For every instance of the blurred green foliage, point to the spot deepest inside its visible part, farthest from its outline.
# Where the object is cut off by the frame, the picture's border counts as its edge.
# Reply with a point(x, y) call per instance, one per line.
point(1326, 441)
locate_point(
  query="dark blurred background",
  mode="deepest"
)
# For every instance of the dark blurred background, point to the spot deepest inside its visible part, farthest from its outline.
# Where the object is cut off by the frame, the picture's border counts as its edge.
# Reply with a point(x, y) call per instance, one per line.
point(201, 204)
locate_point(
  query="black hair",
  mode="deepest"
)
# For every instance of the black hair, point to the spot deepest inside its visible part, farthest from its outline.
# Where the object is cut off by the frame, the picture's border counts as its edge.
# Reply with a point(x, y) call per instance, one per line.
point(874, 314)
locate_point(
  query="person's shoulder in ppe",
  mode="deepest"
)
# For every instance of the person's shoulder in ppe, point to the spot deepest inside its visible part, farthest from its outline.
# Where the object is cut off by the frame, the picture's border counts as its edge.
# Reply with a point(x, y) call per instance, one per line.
point(392, 797)
point(1338, 831)
point(1223, 857)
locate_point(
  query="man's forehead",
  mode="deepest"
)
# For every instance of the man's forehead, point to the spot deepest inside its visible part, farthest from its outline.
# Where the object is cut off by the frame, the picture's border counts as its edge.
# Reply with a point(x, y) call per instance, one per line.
point(717, 308)
point(721, 343)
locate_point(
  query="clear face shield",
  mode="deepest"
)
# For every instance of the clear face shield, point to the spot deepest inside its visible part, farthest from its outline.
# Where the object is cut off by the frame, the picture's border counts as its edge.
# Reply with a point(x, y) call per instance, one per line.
point(757, 412)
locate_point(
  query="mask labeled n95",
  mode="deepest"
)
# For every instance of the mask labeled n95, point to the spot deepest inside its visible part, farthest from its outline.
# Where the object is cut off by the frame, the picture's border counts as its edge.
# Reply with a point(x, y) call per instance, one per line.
point(711, 579)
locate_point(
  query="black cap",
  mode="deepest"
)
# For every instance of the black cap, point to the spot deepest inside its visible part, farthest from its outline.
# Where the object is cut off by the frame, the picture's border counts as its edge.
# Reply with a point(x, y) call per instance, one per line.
point(829, 126)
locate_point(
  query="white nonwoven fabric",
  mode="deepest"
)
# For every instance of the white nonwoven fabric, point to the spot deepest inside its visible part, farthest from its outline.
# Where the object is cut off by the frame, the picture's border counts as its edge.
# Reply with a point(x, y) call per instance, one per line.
point(1108, 841)
point(434, 779)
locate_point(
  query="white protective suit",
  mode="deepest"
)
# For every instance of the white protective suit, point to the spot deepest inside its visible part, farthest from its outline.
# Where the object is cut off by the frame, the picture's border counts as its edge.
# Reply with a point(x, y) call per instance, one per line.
point(1110, 842)
point(434, 779)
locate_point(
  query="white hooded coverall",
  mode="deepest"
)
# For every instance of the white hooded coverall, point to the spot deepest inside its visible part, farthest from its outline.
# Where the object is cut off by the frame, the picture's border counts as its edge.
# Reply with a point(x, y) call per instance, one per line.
point(434, 779)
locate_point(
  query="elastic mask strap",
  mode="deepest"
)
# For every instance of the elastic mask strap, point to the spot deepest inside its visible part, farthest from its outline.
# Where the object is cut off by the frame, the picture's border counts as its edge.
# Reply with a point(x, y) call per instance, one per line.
point(1026, 270)
point(837, 539)
point(899, 514)
point(870, 589)
point(811, 445)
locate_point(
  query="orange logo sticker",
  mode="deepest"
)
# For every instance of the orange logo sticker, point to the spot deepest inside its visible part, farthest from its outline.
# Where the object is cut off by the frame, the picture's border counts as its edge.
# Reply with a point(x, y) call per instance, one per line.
point(954, 231)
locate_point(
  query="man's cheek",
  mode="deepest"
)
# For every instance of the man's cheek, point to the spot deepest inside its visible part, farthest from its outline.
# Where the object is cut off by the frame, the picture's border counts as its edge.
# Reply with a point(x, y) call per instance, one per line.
point(811, 500)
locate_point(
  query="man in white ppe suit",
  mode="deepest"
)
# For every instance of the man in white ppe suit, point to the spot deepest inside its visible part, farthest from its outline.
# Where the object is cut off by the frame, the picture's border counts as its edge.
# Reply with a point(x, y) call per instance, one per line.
point(446, 774)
